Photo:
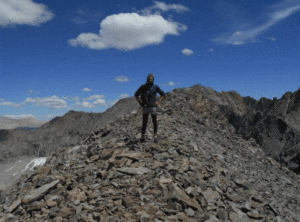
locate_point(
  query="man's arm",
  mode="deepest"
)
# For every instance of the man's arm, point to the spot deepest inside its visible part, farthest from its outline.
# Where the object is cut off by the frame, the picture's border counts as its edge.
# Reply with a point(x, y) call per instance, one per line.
point(162, 94)
point(137, 94)
point(162, 98)
point(137, 99)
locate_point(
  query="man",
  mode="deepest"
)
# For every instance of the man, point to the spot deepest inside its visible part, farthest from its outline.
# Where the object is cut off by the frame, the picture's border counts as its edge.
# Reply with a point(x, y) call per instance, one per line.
point(148, 95)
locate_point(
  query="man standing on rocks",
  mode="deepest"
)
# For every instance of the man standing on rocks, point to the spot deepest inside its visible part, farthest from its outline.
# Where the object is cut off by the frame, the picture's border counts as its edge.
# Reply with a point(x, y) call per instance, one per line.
point(148, 95)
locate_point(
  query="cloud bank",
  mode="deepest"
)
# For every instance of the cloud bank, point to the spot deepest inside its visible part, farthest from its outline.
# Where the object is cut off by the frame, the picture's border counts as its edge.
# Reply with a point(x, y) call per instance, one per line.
point(129, 31)
point(23, 12)
point(54, 102)
point(277, 13)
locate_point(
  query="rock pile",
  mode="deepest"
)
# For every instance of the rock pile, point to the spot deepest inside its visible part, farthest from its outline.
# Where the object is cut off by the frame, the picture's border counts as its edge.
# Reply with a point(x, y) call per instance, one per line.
point(200, 170)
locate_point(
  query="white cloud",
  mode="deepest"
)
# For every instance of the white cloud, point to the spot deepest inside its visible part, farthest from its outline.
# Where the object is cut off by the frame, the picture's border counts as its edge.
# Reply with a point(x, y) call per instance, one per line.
point(55, 102)
point(161, 6)
point(99, 100)
point(86, 89)
point(187, 52)
point(23, 12)
point(84, 105)
point(121, 79)
point(129, 31)
point(279, 11)
point(52, 102)
point(71, 98)
point(16, 105)
point(211, 50)
point(22, 116)
point(97, 97)
point(169, 84)
point(124, 95)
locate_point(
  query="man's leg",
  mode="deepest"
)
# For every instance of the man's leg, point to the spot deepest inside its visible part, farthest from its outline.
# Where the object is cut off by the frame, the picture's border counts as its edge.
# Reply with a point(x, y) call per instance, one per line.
point(145, 120)
point(154, 120)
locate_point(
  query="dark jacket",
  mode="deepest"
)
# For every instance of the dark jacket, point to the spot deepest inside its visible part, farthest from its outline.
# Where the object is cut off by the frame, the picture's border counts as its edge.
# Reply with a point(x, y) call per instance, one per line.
point(148, 94)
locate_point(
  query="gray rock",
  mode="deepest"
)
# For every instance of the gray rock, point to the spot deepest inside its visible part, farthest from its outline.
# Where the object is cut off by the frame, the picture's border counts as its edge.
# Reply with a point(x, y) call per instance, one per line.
point(37, 193)
point(135, 171)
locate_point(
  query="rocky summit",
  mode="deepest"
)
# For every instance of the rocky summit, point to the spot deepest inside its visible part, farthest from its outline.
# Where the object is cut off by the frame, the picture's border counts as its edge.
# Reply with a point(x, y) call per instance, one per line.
point(199, 169)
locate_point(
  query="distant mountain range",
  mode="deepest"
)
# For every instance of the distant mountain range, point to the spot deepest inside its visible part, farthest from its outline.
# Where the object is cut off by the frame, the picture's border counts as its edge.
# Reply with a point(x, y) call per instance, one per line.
point(8, 123)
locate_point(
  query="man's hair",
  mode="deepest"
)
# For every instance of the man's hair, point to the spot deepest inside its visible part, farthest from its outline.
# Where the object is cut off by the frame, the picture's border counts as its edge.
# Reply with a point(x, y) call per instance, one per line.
point(150, 75)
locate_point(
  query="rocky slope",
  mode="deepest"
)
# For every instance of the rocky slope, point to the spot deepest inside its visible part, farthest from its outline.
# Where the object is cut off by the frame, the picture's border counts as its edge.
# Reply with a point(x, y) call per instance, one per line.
point(199, 170)
point(60, 131)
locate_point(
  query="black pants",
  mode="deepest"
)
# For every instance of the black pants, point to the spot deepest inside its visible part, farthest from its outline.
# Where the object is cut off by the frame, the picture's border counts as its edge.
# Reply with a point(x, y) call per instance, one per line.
point(145, 121)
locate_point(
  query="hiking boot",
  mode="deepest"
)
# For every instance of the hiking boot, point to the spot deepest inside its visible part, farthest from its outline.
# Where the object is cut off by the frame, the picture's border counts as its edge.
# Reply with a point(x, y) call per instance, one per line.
point(143, 139)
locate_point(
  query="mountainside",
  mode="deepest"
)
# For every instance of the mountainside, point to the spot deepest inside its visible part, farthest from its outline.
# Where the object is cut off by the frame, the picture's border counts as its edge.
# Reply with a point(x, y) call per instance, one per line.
point(199, 170)
point(274, 124)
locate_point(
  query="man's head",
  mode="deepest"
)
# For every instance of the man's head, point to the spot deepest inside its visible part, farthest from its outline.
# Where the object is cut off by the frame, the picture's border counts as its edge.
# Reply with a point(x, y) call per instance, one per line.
point(150, 79)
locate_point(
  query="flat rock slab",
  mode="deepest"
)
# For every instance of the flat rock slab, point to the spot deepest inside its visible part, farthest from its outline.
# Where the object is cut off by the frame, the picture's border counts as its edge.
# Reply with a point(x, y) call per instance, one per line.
point(135, 171)
point(39, 192)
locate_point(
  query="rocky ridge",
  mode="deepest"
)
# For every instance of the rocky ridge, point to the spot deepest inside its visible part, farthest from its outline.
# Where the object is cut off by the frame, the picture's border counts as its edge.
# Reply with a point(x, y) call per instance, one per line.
point(199, 170)
point(273, 124)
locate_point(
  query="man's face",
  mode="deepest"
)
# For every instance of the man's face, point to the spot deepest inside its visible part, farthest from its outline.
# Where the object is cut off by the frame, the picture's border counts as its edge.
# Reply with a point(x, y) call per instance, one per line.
point(151, 79)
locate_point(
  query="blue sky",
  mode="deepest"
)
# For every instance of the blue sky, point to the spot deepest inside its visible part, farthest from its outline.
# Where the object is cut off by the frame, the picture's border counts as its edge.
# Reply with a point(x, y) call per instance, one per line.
point(80, 55)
